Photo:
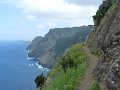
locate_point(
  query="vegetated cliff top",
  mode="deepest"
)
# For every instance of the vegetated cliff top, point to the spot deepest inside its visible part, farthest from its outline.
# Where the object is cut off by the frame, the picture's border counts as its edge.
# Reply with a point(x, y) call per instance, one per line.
point(104, 41)
point(66, 32)
point(49, 48)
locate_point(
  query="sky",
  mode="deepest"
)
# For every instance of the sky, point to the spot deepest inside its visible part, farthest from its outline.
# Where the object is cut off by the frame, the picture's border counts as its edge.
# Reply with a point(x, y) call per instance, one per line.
point(26, 19)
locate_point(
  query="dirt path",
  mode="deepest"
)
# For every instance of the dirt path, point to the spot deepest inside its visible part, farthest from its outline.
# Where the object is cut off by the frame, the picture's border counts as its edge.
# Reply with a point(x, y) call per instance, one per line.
point(88, 76)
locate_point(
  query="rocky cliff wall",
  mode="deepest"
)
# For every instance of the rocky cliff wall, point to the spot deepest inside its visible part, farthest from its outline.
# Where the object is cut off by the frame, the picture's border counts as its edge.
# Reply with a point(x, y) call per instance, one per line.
point(104, 40)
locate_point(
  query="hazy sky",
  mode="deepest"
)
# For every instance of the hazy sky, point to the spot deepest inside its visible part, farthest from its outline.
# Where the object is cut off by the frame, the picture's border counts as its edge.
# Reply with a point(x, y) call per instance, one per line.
point(25, 19)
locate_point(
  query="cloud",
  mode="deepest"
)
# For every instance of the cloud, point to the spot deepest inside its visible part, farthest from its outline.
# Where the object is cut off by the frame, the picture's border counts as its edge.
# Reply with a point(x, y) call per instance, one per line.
point(57, 9)
point(47, 14)
point(85, 2)
point(61, 11)
point(31, 17)
point(51, 24)
point(40, 26)
point(47, 25)
point(47, 6)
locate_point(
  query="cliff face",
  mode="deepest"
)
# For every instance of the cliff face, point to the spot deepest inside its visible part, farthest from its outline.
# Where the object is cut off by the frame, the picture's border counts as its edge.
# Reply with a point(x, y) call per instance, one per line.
point(35, 42)
point(55, 42)
point(105, 41)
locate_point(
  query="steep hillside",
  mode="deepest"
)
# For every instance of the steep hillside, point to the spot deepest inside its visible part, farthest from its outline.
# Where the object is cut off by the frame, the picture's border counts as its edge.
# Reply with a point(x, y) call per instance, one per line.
point(67, 74)
point(104, 41)
point(49, 48)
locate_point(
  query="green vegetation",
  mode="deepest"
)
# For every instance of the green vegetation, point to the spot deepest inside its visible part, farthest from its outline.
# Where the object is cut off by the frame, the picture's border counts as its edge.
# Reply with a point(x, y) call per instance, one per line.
point(39, 80)
point(95, 52)
point(95, 86)
point(67, 74)
point(102, 10)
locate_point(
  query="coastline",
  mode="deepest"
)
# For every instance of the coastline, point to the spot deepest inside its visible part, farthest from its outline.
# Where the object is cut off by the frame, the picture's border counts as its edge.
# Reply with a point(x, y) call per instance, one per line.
point(38, 64)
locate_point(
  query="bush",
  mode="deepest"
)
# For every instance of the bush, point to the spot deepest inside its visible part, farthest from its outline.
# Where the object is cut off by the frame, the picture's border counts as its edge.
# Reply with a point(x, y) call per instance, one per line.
point(39, 80)
point(102, 11)
point(73, 57)
point(67, 62)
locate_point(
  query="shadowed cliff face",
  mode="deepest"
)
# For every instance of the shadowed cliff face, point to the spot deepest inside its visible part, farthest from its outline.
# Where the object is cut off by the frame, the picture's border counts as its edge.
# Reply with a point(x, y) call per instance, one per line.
point(49, 48)
point(104, 40)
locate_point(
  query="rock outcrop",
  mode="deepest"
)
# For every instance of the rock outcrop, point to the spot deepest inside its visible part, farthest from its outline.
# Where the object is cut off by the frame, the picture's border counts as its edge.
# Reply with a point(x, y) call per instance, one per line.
point(104, 40)
point(49, 48)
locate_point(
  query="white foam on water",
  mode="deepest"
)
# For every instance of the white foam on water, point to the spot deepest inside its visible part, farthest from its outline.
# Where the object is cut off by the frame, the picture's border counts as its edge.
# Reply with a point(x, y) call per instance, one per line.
point(28, 51)
point(30, 58)
point(31, 65)
point(41, 67)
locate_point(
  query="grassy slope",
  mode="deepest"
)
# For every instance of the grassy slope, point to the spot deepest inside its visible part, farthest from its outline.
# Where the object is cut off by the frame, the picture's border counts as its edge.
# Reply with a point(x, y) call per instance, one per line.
point(59, 80)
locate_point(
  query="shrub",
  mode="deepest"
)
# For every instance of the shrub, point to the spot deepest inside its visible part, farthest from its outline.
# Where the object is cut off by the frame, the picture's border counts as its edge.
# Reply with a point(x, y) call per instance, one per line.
point(73, 57)
point(39, 80)
point(67, 62)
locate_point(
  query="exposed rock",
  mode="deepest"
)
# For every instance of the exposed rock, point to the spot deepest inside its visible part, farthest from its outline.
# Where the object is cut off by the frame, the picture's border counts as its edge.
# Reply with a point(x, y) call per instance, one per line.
point(105, 38)
point(55, 42)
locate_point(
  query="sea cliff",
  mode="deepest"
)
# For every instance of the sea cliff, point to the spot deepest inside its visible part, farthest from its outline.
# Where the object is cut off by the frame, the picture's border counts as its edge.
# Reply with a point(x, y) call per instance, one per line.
point(50, 48)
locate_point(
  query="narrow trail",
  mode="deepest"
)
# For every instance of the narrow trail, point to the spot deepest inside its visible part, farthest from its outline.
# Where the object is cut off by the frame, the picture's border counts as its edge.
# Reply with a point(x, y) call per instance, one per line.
point(88, 76)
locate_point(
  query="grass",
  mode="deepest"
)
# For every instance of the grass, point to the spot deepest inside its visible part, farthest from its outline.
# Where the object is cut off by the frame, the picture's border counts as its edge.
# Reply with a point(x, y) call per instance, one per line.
point(61, 80)
point(95, 86)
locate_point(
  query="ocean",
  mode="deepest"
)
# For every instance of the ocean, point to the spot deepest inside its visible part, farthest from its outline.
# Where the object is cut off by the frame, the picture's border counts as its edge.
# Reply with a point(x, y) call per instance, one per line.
point(16, 71)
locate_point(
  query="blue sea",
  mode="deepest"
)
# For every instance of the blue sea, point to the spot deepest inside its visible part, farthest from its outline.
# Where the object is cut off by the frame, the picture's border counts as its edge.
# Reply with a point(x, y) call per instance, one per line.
point(16, 71)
